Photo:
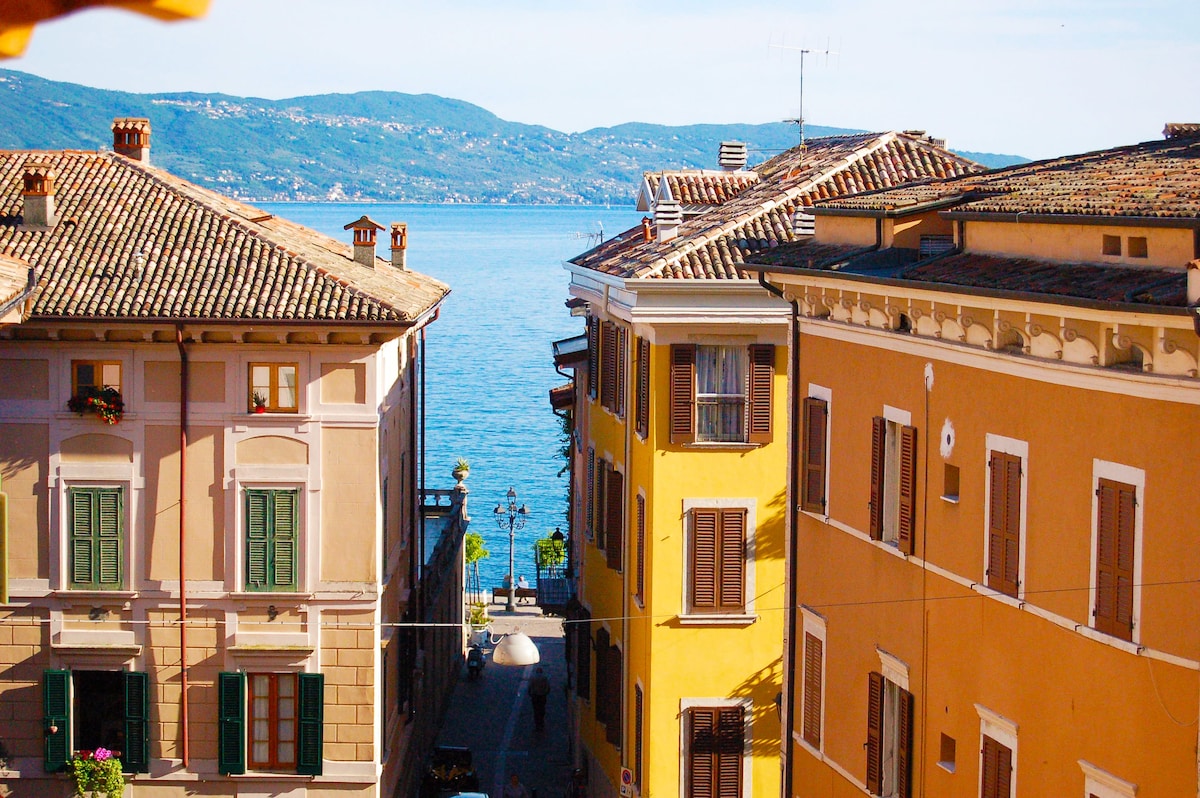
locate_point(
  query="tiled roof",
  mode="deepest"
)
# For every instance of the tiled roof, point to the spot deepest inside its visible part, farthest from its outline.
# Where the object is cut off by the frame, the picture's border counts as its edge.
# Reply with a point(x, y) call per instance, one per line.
point(1154, 179)
point(1082, 280)
point(808, 254)
point(703, 187)
point(134, 242)
point(715, 243)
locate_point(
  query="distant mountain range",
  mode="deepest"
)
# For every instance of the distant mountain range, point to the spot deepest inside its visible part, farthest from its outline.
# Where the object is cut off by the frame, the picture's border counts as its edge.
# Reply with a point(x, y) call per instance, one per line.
point(377, 145)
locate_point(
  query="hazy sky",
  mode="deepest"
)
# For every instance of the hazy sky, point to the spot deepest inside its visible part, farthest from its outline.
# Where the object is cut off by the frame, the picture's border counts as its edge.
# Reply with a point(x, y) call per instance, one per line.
point(1032, 77)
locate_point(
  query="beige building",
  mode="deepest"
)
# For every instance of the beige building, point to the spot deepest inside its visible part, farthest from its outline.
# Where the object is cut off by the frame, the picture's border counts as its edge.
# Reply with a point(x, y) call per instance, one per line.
point(209, 442)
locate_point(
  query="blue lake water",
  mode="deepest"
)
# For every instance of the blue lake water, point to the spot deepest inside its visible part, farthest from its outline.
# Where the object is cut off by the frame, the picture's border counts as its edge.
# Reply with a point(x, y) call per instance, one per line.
point(489, 368)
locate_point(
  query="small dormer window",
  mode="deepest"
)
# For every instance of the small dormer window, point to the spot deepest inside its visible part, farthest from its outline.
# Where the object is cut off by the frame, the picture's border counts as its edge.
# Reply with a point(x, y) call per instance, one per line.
point(1111, 245)
point(1137, 247)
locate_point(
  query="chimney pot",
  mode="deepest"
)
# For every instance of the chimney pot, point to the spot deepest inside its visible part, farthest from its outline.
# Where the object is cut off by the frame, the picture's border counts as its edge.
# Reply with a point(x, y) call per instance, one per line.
point(399, 245)
point(131, 138)
point(732, 156)
point(364, 240)
point(668, 214)
point(1193, 282)
point(647, 236)
point(38, 195)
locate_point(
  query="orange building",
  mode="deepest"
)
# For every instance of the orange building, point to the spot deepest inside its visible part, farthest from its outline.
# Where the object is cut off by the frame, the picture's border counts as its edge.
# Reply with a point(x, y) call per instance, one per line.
point(993, 557)
point(193, 396)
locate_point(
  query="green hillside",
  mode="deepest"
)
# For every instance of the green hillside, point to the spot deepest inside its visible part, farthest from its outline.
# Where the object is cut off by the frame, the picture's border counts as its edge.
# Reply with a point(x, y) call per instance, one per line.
point(374, 145)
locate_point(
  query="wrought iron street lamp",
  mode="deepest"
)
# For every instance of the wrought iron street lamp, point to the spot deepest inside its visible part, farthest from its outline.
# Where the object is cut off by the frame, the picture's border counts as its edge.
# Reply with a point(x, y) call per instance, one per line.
point(513, 517)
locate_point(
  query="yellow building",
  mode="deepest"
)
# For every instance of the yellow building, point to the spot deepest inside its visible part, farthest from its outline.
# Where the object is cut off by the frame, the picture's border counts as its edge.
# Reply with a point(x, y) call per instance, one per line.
point(994, 544)
point(678, 508)
point(207, 415)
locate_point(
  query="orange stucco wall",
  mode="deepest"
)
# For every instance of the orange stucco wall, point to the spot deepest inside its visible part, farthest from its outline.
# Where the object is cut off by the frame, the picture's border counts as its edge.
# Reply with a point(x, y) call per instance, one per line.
point(857, 230)
point(1166, 246)
point(349, 461)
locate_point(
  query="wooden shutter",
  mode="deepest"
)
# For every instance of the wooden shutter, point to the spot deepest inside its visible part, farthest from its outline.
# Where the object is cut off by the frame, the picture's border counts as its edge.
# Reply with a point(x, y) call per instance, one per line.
point(816, 415)
point(813, 659)
point(996, 779)
point(622, 371)
point(614, 516)
point(703, 556)
point(1115, 523)
point(616, 713)
point(683, 393)
point(589, 509)
point(730, 735)
point(758, 395)
point(603, 698)
point(875, 733)
point(716, 742)
point(583, 661)
point(96, 532)
point(310, 729)
point(878, 444)
point(733, 560)
point(136, 756)
point(637, 734)
point(257, 539)
point(283, 543)
point(608, 365)
point(593, 336)
point(1004, 523)
point(703, 724)
point(83, 537)
point(906, 521)
point(231, 715)
point(56, 714)
point(904, 741)
point(602, 469)
point(108, 543)
point(642, 400)
point(640, 582)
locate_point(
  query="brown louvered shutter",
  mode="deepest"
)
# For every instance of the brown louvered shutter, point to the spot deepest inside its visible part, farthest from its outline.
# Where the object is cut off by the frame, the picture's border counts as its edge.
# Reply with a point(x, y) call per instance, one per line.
point(641, 548)
point(683, 393)
point(589, 509)
point(703, 566)
point(602, 468)
point(733, 560)
point(758, 394)
point(816, 415)
point(642, 411)
point(875, 734)
point(996, 779)
point(716, 741)
point(614, 517)
point(593, 336)
point(1116, 508)
point(638, 729)
point(608, 365)
point(878, 442)
point(702, 735)
point(813, 653)
point(904, 752)
point(616, 712)
point(907, 521)
point(621, 377)
point(1004, 524)
point(730, 736)
point(603, 698)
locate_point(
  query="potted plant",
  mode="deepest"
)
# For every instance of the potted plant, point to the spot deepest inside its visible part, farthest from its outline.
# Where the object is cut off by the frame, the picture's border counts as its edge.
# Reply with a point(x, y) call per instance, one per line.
point(461, 469)
point(104, 402)
point(96, 773)
point(259, 401)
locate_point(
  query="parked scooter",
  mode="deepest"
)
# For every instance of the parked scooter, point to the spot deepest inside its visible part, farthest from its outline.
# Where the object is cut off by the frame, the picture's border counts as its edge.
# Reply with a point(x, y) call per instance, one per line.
point(475, 661)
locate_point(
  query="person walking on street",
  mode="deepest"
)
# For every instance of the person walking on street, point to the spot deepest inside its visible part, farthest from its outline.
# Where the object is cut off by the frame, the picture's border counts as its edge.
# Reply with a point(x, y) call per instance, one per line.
point(539, 691)
point(514, 788)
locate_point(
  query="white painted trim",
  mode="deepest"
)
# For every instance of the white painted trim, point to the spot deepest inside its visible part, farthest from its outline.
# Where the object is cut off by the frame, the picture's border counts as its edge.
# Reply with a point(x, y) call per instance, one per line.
point(1003, 731)
point(814, 624)
point(1103, 784)
point(747, 706)
point(897, 416)
point(894, 669)
point(306, 576)
point(841, 771)
point(1016, 448)
point(750, 505)
point(1135, 477)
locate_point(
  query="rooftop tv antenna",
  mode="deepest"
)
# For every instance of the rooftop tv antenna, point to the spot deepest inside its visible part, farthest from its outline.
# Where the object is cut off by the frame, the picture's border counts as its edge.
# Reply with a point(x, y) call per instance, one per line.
point(594, 239)
point(799, 121)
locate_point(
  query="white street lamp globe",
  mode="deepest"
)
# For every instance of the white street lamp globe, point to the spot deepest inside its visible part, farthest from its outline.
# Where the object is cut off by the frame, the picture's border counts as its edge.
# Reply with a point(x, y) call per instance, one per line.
point(516, 649)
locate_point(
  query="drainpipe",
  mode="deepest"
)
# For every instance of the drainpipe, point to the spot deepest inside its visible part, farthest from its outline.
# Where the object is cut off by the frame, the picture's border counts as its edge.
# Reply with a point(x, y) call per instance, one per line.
point(789, 694)
point(183, 623)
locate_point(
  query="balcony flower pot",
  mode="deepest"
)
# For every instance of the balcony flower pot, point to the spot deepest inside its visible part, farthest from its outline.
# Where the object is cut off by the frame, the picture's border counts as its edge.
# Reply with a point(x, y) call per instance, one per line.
point(106, 403)
point(96, 774)
point(258, 403)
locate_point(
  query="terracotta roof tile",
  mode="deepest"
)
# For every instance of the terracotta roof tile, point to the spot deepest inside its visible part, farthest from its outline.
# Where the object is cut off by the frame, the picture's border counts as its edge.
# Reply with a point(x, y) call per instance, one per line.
point(133, 241)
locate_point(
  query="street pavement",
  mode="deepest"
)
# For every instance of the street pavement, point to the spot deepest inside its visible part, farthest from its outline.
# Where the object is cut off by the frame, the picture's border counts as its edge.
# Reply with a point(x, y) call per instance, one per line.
point(493, 716)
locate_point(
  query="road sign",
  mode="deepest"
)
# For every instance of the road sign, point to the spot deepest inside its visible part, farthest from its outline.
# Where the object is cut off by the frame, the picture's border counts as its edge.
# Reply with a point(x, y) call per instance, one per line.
point(626, 783)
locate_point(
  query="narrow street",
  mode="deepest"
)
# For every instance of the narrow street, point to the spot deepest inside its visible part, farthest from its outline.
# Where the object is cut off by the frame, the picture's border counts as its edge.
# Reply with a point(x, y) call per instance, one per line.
point(493, 716)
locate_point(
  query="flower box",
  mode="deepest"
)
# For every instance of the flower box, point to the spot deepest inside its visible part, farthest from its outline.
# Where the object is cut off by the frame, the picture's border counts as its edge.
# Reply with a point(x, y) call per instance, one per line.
point(104, 402)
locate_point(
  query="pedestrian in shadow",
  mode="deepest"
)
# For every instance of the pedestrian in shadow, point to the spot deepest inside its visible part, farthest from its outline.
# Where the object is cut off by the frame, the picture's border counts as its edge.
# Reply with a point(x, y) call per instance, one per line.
point(514, 788)
point(539, 691)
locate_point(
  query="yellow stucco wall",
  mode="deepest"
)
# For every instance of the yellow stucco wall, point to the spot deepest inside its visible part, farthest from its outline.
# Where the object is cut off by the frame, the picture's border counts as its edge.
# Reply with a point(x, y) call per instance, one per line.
point(856, 230)
point(1079, 242)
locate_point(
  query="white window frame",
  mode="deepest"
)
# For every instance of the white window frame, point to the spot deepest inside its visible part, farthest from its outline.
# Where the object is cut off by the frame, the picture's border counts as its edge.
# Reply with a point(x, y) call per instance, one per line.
point(814, 624)
point(750, 505)
point(825, 395)
point(273, 478)
point(895, 675)
point(1002, 730)
point(1136, 477)
point(1103, 784)
point(723, 397)
point(896, 419)
point(1020, 449)
point(747, 706)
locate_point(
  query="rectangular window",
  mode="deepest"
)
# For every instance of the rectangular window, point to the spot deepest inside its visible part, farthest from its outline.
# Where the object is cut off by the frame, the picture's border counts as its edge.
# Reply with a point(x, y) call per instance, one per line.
point(589, 508)
point(92, 375)
point(638, 727)
point(601, 502)
point(96, 709)
point(816, 418)
point(272, 539)
point(814, 663)
point(1137, 247)
point(721, 394)
point(615, 722)
point(285, 713)
point(996, 777)
point(715, 739)
point(717, 561)
point(613, 339)
point(640, 584)
point(614, 520)
point(893, 483)
point(950, 480)
point(1004, 523)
point(274, 388)
point(272, 721)
point(889, 738)
point(593, 376)
point(604, 697)
point(642, 408)
point(1116, 510)
point(1110, 245)
point(947, 753)
point(96, 538)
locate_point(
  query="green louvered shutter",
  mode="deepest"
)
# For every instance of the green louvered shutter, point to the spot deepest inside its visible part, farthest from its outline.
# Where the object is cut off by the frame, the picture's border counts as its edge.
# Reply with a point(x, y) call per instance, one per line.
point(83, 537)
point(108, 543)
point(283, 543)
point(96, 532)
point(136, 755)
point(312, 720)
point(257, 540)
point(56, 709)
point(231, 731)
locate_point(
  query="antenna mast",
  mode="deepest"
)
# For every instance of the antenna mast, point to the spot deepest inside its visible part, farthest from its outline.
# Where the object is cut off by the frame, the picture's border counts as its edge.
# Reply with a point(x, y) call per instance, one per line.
point(803, 52)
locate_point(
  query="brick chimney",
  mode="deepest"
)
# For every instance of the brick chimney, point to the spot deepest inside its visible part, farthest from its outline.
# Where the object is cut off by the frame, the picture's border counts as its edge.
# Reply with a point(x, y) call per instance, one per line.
point(38, 194)
point(364, 240)
point(399, 244)
point(668, 214)
point(732, 156)
point(131, 138)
